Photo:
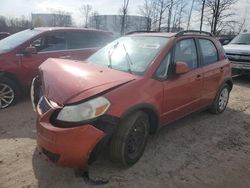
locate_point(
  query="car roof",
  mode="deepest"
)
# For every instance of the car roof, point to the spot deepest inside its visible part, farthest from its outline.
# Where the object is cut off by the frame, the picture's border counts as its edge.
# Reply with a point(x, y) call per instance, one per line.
point(44, 29)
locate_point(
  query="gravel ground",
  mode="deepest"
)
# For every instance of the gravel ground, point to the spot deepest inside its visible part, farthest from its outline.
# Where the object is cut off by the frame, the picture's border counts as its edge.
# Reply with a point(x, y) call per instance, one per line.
point(201, 150)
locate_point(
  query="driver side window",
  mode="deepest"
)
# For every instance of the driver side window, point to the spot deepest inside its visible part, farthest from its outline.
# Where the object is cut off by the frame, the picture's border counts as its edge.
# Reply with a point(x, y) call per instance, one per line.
point(185, 51)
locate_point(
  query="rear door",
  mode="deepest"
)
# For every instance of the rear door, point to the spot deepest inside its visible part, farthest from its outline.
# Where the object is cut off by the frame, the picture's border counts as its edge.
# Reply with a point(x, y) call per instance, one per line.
point(213, 67)
point(182, 93)
point(82, 44)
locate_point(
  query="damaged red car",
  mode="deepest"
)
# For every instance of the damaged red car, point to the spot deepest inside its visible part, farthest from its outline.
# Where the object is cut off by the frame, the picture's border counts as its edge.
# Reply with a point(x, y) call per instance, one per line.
point(124, 92)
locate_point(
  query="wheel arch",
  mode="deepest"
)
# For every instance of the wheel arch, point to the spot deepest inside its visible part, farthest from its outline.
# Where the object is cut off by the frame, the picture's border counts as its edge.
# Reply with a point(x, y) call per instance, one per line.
point(11, 77)
point(229, 82)
point(150, 110)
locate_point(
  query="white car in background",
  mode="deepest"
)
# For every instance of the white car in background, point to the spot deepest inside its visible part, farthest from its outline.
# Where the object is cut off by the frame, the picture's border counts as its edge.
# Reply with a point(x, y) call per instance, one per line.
point(238, 52)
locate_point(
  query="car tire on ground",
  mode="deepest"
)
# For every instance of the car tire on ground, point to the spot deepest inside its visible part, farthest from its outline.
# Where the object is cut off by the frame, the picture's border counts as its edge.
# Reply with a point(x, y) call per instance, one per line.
point(129, 141)
point(9, 92)
point(221, 100)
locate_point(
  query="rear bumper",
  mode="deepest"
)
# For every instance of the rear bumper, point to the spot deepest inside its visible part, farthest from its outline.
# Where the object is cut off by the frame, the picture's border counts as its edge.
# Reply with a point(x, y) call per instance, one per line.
point(70, 147)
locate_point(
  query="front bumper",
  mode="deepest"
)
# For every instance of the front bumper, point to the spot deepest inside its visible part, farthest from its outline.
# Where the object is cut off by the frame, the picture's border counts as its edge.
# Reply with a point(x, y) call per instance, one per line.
point(70, 147)
point(240, 67)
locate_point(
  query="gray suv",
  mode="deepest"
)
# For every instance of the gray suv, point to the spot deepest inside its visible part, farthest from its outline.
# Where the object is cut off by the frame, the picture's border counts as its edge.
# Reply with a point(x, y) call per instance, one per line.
point(238, 52)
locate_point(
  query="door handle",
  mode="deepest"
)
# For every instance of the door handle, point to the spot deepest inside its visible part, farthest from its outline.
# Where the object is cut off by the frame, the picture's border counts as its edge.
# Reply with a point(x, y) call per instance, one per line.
point(198, 77)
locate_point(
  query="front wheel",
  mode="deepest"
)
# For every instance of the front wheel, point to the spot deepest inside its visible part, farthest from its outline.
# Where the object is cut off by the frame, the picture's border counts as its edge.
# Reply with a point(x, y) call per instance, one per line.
point(221, 100)
point(128, 143)
point(9, 93)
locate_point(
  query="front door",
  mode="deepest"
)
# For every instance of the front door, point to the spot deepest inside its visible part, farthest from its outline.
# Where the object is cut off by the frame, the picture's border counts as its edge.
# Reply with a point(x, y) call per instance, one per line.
point(182, 93)
point(51, 45)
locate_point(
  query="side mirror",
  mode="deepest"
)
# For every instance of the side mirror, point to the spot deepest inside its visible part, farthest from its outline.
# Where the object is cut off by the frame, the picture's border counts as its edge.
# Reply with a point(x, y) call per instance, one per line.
point(30, 50)
point(181, 67)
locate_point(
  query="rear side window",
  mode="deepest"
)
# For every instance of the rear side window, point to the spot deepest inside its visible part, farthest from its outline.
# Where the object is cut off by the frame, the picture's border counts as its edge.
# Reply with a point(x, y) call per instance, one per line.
point(185, 51)
point(78, 40)
point(209, 51)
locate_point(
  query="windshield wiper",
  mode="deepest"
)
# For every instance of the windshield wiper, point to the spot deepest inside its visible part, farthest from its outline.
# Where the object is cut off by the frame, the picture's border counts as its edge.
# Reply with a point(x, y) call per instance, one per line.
point(110, 53)
point(129, 60)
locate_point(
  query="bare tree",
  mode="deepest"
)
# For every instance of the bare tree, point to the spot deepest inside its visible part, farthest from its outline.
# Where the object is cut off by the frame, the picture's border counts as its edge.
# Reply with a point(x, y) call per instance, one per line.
point(181, 11)
point(60, 19)
point(170, 12)
point(96, 20)
point(190, 14)
point(3, 24)
point(85, 10)
point(219, 14)
point(13, 25)
point(146, 10)
point(124, 13)
point(178, 10)
point(161, 7)
point(202, 13)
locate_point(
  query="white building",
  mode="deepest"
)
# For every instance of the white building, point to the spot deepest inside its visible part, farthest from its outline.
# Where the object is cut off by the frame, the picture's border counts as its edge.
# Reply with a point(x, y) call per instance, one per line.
point(112, 23)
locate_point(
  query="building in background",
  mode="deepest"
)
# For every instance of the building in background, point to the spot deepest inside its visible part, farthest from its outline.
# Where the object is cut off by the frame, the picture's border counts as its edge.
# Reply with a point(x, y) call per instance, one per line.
point(112, 23)
point(51, 20)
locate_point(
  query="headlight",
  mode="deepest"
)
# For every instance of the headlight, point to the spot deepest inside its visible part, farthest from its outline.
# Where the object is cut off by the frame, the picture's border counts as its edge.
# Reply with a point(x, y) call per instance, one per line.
point(85, 111)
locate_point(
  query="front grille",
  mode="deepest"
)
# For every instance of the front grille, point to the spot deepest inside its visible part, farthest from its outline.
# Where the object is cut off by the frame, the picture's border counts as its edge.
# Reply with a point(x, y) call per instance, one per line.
point(238, 58)
point(53, 157)
point(44, 105)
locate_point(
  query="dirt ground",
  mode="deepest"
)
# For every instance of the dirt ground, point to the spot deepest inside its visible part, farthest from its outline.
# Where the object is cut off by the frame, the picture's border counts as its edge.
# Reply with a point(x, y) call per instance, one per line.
point(201, 150)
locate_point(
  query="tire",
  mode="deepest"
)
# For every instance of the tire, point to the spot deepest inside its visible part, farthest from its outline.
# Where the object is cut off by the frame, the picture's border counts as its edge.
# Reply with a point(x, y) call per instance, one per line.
point(9, 92)
point(129, 141)
point(220, 103)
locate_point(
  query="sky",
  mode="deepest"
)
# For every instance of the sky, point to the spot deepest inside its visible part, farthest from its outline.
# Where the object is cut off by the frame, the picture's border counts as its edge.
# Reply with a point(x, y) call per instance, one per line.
point(17, 8)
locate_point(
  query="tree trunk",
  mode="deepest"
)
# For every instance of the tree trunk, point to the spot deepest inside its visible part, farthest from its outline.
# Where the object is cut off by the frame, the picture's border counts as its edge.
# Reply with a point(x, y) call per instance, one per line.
point(202, 13)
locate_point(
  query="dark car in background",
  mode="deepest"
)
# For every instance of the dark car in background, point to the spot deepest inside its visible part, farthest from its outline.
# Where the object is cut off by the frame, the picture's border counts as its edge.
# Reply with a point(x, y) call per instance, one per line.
point(4, 35)
point(238, 52)
point(23, 52)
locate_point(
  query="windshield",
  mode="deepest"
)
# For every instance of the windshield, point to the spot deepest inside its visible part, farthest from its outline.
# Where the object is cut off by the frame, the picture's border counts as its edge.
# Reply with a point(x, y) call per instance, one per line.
point(15, 40)
point(241, 39)
point(130, 53)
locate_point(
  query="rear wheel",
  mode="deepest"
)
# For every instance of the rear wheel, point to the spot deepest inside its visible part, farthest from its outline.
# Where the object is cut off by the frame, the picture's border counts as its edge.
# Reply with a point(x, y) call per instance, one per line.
point(128, 143)
point(221, 100)
point(9, 93)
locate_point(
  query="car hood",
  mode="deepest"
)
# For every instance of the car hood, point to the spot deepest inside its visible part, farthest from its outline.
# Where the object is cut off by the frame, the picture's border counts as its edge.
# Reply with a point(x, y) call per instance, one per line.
point(237, 49)
point(67, 81)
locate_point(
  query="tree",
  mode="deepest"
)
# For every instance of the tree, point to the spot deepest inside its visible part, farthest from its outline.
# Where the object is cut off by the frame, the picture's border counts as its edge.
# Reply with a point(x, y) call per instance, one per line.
point(60, 19)
point(202, 13)
point(146, 10)
point(85, 10)
point(178, 10)
point(219, 14)
point(3, 24)
point(161, 7)
point(96, 20)
point(124, 13)
point(190, 14)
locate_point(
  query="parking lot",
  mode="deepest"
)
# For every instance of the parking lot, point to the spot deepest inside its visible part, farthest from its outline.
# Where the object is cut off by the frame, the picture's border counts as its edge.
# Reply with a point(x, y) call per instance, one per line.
point(201, 150)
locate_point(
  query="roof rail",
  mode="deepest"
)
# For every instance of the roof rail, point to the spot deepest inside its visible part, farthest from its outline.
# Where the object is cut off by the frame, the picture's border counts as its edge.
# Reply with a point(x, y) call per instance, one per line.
point(142, 31)
point(193, 31)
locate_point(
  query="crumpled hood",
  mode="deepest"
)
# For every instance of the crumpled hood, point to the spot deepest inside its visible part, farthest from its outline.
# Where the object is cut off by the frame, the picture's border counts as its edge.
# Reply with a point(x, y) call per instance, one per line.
point(237, 49)
point(68, 81)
